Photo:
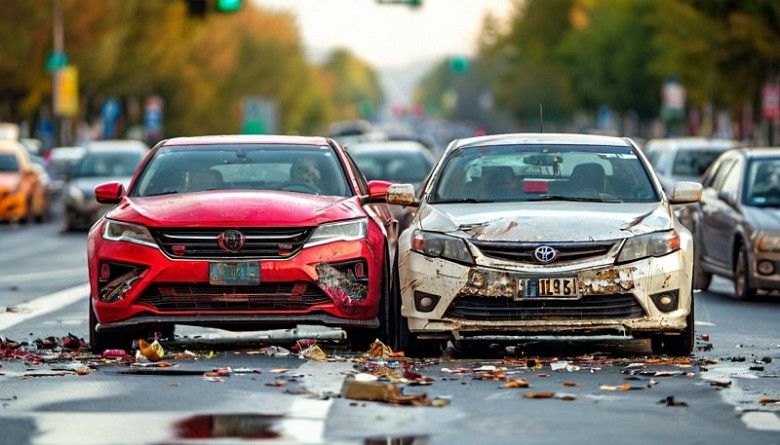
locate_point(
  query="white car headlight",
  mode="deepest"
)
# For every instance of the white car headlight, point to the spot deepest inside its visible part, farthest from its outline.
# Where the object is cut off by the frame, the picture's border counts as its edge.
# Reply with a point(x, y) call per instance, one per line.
point(341, 231)
point(768, 242)
point(438, 245)
point(651, 244)
point(132, 233)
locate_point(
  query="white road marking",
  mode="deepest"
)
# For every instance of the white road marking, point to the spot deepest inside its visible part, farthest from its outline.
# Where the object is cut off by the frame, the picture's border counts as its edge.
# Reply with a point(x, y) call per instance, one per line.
point(59, 273)
point(19, 313)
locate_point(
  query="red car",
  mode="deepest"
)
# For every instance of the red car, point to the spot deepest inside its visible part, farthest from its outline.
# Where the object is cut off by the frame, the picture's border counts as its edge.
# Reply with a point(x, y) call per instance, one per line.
point(248, 232)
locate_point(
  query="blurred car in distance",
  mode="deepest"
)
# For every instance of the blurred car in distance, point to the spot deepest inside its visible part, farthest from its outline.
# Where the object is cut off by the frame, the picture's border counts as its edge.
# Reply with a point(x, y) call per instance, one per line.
point(60, 161)
point(244, 233)
point(104, 161)
point(23, 195)
point(736, 225)
point(684, 158)
point(544, 234)
point(404, 161)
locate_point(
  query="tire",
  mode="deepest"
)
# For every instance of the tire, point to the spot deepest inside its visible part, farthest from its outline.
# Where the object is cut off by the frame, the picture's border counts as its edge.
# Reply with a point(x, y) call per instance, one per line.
point(100, 341)
point(676, 345)
point(701, 278)
point(742, 288)
point(360, 339)
point(415, 347)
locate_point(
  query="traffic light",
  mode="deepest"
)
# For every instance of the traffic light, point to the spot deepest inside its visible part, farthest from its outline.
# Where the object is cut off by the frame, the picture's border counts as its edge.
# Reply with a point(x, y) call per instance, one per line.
point(228, 5)
point(459, 64)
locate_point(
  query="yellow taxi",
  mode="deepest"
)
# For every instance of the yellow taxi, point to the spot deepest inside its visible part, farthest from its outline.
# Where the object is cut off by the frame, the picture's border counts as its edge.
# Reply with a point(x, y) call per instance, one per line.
point(22, 195)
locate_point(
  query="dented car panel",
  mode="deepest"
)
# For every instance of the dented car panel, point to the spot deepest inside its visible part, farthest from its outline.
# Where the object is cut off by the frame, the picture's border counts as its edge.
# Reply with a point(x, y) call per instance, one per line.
point(256, 250)
point(530, 251)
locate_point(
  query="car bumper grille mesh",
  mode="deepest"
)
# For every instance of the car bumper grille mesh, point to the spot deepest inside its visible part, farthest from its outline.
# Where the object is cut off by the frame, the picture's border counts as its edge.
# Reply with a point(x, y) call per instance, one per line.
point(589, 307)
point(199, 243)
point(203, 297)
point(524, 252)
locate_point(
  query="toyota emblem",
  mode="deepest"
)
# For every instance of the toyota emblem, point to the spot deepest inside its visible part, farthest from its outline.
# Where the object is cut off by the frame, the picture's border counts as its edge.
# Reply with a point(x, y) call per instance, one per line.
point(545, 254)
point(231, 240)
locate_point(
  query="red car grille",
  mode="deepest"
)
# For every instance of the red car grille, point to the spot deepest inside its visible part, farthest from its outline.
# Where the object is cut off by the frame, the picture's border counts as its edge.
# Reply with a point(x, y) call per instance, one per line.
point(524, 252)
point(169, 297)
point(589, 307)
point(275, 242)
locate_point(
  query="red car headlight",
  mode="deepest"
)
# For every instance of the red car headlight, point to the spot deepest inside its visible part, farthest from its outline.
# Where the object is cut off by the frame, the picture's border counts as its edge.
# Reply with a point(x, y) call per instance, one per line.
point(340, 231)
point(132, 233)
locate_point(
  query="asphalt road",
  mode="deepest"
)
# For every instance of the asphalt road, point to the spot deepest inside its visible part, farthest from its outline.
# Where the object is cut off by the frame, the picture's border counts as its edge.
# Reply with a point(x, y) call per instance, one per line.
point(222, 389)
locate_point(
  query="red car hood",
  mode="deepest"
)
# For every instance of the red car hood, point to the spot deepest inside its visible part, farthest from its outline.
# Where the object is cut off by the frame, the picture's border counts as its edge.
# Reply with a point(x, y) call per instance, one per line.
point(237, 209)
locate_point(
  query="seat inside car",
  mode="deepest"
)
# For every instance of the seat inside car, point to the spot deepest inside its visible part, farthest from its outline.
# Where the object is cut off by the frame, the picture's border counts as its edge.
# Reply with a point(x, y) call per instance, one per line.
point(587, 178)
point(205, 179)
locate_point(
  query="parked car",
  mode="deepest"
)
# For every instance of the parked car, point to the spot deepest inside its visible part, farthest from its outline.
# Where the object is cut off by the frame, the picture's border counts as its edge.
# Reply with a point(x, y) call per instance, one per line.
point(684, 158)
point(60, 162)
point(104, 161)
point(22, 189)
point(544, 234)
point(404, 161)
point(736, 226)
point(245, 232)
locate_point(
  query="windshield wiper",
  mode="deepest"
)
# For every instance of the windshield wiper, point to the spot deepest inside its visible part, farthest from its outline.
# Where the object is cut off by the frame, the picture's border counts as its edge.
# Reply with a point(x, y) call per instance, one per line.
point(572, 198)
point(459, 200)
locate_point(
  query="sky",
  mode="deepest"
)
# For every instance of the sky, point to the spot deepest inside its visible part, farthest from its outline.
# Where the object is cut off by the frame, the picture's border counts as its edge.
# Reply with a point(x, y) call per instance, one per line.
point(391, 35)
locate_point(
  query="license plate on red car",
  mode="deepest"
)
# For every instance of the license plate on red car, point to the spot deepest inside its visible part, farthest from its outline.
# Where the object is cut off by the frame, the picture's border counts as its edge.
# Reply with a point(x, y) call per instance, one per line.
point(561, 287)
point(234, 274)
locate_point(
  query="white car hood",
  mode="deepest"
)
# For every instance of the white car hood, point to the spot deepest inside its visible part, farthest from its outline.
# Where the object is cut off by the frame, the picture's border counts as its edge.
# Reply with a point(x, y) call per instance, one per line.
point(545, 221)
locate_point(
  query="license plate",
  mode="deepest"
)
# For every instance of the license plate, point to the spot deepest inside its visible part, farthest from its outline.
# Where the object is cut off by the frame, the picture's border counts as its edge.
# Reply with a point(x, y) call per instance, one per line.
point(565, 287)
point(234, 274)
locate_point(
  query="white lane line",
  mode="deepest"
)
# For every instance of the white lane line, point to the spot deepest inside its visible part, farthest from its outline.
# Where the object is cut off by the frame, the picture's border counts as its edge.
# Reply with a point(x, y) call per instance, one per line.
point(59, 273)
point(19, 313)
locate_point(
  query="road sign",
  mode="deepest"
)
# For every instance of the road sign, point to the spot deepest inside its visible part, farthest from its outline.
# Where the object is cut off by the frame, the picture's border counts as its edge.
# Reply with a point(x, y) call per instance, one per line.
point(66, 91)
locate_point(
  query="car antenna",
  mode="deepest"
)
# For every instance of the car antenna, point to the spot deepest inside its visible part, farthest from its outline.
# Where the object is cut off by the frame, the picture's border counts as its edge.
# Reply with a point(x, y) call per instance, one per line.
point(541, 118)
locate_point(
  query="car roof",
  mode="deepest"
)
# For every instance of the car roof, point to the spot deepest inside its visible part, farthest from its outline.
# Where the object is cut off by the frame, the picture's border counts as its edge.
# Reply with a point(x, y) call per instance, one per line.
point(10, 145)
point(692, 143)
point(247, 139)
point(760, 152)
point(541, 138)
point(388, 146)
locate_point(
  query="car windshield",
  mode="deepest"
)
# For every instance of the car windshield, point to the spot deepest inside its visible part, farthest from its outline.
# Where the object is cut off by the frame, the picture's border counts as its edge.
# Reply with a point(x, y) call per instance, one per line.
point(529, 172)
point(694, 162)
point(108, 163)
point(763, 183)
point(8, 162)
point(296, 168)
point(394, 166)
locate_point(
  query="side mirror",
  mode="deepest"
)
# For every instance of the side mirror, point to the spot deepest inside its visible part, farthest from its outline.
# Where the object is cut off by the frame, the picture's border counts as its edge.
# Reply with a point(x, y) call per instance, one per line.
point(686, 193)
point(401, 194)
point(109, 193)
point(376, 191)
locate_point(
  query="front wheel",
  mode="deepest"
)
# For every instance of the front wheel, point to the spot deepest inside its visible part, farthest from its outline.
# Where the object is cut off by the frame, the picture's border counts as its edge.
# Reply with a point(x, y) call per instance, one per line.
point(360, 339)
point(676, 345)
point(100, 341)
point(742, 288)
point(701, 278)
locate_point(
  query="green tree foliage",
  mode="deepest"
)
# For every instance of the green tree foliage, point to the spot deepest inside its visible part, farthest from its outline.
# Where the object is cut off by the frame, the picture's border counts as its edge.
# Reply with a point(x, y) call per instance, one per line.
point(577, 55)
point(201, 67)
point(352, 82)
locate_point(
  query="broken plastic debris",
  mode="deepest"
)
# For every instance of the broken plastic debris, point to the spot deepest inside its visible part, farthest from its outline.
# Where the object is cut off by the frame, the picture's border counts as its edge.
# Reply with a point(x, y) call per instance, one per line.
point(723, 383)
point(314, 352)
point(151, 351)
point(669, 401)
point(382, 392)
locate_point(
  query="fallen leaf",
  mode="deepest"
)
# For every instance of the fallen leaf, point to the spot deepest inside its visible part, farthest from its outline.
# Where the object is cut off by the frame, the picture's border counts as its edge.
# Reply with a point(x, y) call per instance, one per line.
point(519, 383)
point(570, 384)
point(539, 395)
